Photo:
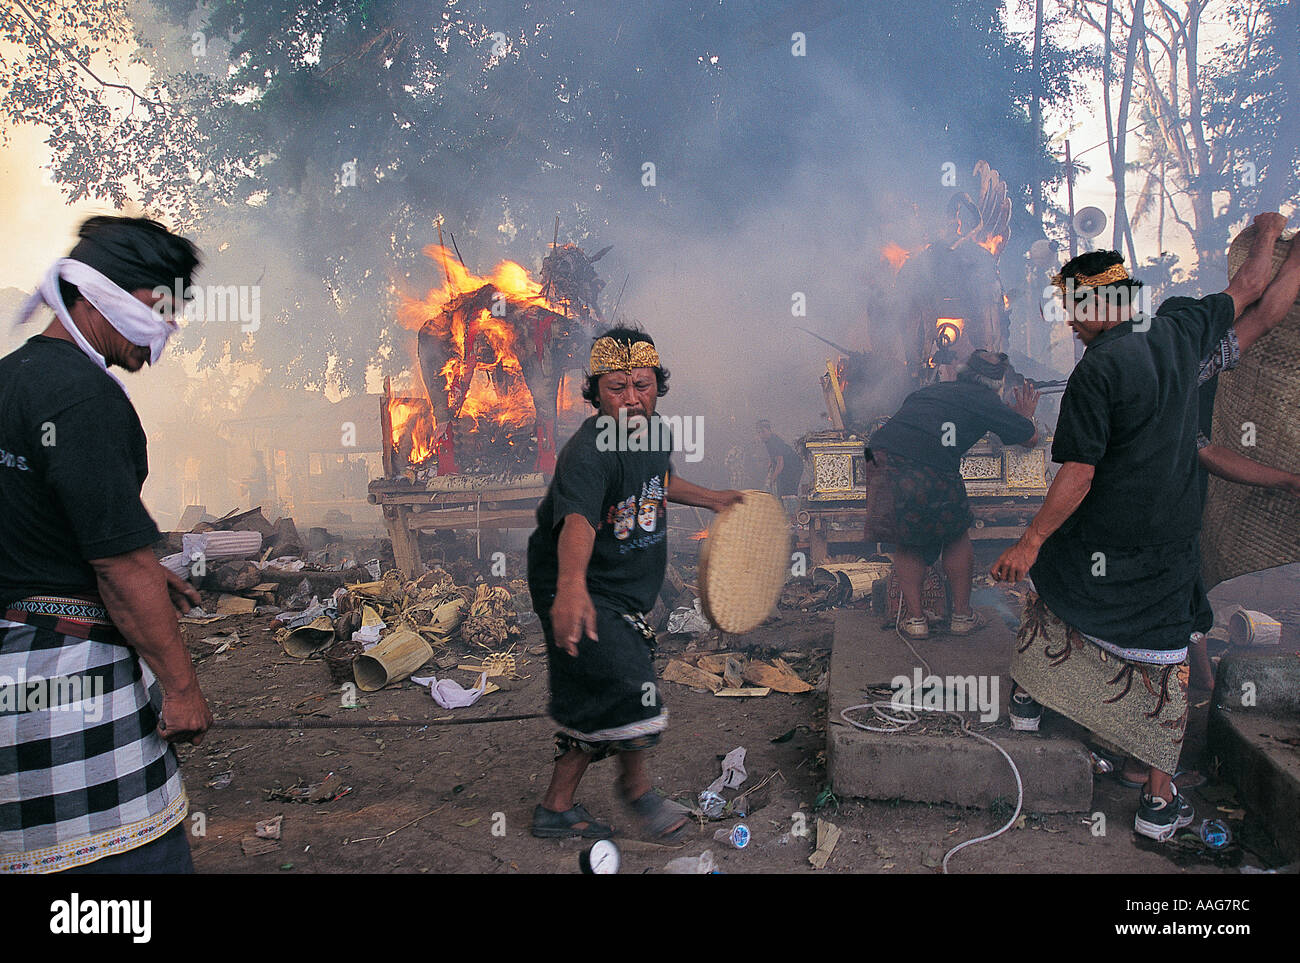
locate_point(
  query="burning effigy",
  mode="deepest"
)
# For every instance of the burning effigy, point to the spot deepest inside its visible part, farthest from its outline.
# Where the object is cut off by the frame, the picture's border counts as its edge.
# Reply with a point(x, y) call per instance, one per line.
point(493, 353)
point(948, 293)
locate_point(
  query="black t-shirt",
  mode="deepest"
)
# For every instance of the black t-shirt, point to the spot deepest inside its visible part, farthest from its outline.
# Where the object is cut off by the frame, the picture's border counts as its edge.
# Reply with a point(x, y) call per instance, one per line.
point(791, 464)
point(623, 496)
point(1122, 568)
point(958, 412)
point(72, 463)
point(1131, 409)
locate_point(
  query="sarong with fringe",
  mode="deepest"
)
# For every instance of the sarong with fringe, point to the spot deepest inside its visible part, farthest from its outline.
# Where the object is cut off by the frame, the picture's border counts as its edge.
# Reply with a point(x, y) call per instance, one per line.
point(1139, 707)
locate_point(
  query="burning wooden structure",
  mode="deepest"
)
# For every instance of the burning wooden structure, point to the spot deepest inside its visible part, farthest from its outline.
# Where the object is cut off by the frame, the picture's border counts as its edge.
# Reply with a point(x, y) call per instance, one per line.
point(500, 358)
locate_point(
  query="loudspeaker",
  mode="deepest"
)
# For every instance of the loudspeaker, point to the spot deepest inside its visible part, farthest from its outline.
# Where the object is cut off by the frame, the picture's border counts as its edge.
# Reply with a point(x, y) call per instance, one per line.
point(1090, 222)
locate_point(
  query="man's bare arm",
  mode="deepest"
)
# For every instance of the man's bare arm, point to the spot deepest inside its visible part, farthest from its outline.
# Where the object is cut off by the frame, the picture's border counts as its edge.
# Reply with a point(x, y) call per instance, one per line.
point(1229, 465)
point(685, 493)
point(135, 593)
point(573, 614)
point(1265, 314)
point(1067, 492)
point(1251, 279)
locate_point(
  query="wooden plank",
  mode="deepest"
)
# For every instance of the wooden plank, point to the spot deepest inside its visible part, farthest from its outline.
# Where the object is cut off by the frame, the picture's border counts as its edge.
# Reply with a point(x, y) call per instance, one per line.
point(386, 427)
point(406, 548)
point(469, 520)
point(408, 497)
point(998, 531)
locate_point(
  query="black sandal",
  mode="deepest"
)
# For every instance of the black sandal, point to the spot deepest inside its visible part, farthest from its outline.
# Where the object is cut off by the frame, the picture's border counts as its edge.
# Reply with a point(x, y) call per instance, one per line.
point(659, 817)
point(548, 824)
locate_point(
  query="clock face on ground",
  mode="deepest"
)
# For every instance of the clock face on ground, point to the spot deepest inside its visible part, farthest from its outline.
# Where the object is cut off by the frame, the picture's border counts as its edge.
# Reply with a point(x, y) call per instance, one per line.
point(602, 858)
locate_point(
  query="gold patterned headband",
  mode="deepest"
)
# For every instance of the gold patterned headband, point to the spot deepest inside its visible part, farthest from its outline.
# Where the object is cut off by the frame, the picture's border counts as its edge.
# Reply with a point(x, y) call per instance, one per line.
point(610, 355)
point(1112, 274)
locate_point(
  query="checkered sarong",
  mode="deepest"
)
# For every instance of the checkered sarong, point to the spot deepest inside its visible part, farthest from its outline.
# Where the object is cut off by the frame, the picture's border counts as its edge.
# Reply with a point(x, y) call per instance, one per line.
point(83, 772)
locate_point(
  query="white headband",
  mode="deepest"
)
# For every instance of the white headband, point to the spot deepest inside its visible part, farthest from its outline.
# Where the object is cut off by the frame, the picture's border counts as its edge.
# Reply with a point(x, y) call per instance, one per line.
point(131, 317)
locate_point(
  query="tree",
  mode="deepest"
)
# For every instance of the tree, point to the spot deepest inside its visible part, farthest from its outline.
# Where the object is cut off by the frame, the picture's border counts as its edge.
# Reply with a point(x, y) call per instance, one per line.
point(322, 138)
point(1226, 125)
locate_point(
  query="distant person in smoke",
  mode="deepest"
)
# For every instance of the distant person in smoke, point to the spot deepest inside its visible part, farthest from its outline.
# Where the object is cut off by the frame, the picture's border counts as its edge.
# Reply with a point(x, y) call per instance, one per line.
point(596, 564)
point(91, 783)
point(784, 466)
point(1113, 552)
point(916, 455)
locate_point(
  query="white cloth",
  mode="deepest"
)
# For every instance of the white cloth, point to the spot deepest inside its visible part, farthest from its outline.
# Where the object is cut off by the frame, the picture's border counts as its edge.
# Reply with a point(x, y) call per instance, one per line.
point(130, 317)
point(449, 693)
point(733, 771)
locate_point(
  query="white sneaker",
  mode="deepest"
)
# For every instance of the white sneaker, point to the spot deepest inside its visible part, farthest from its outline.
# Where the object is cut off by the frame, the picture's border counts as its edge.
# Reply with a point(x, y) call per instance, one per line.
point(917, 628)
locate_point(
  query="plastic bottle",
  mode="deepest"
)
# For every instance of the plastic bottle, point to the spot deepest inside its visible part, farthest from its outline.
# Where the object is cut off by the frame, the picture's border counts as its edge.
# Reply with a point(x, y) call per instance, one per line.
point(737, 836)
point(691, 865)
point(1215, 833)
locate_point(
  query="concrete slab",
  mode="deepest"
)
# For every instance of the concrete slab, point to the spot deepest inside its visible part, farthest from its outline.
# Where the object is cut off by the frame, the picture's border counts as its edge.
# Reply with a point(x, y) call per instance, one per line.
point(1260, 754)
point(934, 761)
point(1267, 683)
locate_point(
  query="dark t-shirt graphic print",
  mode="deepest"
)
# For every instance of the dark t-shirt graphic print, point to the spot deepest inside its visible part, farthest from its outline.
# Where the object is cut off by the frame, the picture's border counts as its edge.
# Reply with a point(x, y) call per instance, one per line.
point(623, 496)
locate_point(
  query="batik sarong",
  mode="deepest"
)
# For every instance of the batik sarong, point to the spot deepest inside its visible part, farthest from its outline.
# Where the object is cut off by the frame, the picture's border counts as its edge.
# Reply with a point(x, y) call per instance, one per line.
point(83, 771)
point(1140, 707)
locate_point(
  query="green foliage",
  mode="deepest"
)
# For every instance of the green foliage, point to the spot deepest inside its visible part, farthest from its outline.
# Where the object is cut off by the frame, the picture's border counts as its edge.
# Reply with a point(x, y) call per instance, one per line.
point(496, 116)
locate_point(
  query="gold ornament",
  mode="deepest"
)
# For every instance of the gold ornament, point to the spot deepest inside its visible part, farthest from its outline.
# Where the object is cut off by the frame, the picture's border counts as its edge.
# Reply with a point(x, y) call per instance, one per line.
point(610, 355)
point(1112, 274)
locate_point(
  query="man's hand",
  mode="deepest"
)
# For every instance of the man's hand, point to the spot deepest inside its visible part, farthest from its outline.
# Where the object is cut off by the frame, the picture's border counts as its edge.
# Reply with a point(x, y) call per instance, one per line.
point(185, 716)
point(1014, 564)
point(725, 499)
point(184, 596)
point(573, 616)
point(1270, 222)
point(1024, 400)
point(1292, 486)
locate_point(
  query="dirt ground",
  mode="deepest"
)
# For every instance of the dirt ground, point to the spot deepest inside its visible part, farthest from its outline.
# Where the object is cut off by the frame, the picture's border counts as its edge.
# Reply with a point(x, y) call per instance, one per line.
point(459, 798)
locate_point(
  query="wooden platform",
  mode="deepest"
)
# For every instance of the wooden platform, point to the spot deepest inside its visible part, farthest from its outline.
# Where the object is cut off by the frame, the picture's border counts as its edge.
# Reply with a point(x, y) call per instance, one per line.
point(409, 511)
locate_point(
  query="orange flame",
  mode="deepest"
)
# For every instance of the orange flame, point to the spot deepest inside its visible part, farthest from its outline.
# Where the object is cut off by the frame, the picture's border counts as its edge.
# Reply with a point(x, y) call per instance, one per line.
point(951, 328)
point(701, 534)
point(896, 255)
point(505, 398)
point(993, 244)
point(415, 421)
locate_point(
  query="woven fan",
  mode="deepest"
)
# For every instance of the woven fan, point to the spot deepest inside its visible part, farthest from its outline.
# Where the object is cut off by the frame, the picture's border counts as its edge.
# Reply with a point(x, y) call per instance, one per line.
point(744, 562)
point(1250, 529)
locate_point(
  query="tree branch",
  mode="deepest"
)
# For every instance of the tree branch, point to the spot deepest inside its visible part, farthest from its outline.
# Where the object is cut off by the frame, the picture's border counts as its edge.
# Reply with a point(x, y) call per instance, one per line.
point(135, 94)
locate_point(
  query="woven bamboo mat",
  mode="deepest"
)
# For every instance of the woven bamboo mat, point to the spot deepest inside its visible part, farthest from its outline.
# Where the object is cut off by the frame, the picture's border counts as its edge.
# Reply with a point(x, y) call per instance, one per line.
point(744, 562)
point(1250, 529)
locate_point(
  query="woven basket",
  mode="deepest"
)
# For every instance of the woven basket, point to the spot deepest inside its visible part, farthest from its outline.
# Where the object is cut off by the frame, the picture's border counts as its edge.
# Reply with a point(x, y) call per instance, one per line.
point(744, 563)
point(338, 660)
point(1248, 529)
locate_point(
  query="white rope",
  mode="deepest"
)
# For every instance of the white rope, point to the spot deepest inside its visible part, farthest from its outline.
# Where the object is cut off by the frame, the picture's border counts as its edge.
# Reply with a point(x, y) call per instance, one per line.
point(906, 717)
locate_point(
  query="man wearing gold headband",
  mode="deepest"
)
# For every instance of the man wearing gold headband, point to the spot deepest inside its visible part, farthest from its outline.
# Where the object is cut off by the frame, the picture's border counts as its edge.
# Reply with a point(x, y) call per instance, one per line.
point(595, 566)
point(1113, 552)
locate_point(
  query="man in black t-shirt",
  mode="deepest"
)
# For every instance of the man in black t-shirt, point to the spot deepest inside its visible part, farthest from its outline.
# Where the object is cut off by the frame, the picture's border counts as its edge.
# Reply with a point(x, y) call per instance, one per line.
point(87, 775)
point(784, 466)
point(595, 566)
point(919, 452)
point(1113, 551)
